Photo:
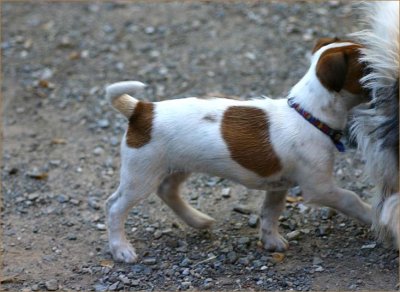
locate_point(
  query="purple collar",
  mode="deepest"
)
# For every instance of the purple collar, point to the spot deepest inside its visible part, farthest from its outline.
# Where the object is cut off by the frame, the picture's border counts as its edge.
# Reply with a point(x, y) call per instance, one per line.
point(335, 135)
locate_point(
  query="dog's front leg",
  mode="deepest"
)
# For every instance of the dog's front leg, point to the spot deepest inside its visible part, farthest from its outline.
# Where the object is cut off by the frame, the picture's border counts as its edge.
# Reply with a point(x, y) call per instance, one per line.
point(272, 208)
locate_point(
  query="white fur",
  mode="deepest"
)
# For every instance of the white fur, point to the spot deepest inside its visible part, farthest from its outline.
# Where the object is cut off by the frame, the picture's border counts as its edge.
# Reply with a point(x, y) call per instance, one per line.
point(390, 216)
point(124, 87)
point(381, 53)
point(183, 141)
point(382, 43)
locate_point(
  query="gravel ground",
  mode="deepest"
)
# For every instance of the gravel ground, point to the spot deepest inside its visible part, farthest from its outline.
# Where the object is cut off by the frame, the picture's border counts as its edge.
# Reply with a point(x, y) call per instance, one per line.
point(61, 144)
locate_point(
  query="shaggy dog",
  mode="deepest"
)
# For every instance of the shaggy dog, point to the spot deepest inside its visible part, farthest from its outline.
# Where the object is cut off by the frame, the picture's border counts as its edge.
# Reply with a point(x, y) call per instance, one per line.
point(376, 129)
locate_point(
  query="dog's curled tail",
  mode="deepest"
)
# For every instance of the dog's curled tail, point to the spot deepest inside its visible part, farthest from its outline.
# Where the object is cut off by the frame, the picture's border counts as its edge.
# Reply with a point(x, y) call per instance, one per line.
point(118, 95)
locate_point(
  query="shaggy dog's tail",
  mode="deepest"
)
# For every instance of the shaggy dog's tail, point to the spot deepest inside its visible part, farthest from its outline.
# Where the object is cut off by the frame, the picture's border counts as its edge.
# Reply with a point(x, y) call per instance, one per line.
point(377, 129)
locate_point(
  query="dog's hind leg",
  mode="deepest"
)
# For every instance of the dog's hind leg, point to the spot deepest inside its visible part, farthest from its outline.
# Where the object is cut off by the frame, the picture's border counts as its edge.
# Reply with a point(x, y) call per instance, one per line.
point(168, 191)
point(272, 207)
point(117, 208)
point(345, 201)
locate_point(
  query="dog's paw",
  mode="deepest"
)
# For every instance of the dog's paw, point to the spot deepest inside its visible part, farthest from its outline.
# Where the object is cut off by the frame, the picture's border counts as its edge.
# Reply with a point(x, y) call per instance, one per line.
point(274, 242)
point(124, 252)
point(197, 219)
point(202, 222)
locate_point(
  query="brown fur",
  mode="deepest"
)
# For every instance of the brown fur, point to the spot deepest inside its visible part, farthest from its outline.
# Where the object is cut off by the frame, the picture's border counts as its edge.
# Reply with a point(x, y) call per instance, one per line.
point(246, 132)
point(140, 125)
point(323, 42)
point(326, 41)
point(339, 68)
point(124, 104)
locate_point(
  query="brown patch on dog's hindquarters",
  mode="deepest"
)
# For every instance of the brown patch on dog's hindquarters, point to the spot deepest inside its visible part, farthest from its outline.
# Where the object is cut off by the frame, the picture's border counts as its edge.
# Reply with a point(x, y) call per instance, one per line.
point(140, 125)
point(245, 130)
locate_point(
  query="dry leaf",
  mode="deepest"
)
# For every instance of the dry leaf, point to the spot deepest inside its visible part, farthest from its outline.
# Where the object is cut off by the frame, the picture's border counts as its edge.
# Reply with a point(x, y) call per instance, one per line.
point(42, 175)
point(74, 56)
point(107, 263)
point(58, 141)
point(44, 83)
point(290, 199)
point(277, 257)
point(9, 279)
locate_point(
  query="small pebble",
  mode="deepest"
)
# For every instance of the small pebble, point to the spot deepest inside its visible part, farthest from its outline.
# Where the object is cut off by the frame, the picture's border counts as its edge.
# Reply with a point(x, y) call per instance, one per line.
point(113, 286)
point(33, 197)
point(124, 279)
point(226, 192)
point(114, 141)
point(295, 191)
point(242, 209)
point(103, 123)
point(98, 151)
point(149, 30)
point(150, 261)
point(71, 237)
point(244, 240)
point(150, 229)
point(253, 220)
point(293, 235)
point(317, 261)
point(369, 246)
point(323, 230)
point(74, 202)
point(186, 285)
point(100, 226)
point(94, 203)
point(51, 285)
point(244, 261)
point(185, 262)
point(232, 257)
point(158, 234)
point(62, 198)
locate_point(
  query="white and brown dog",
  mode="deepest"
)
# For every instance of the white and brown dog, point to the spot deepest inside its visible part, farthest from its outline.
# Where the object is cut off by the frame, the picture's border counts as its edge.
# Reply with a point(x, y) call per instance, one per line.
point(263, 144)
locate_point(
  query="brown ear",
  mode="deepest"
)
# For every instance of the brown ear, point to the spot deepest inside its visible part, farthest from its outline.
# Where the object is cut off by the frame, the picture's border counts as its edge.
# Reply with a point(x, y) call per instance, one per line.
point(332, 70)
point(323, 42)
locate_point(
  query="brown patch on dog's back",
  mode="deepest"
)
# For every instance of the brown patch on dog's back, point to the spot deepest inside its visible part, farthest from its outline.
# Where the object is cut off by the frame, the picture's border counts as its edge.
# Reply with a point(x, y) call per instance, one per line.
point(140, 125)
point(340, 68)
point(245, 130)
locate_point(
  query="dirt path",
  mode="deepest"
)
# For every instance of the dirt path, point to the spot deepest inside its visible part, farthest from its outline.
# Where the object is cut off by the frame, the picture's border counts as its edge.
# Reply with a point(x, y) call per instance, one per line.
point(56, 59)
